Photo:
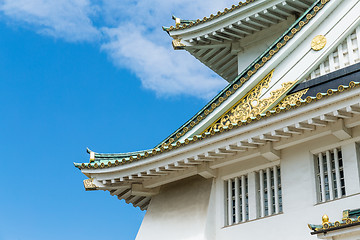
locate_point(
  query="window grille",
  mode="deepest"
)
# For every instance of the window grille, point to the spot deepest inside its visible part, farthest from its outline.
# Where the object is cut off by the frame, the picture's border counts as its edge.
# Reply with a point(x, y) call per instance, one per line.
point(329, 170)
point(269, 193)
point(237, 200)
point(268, 197)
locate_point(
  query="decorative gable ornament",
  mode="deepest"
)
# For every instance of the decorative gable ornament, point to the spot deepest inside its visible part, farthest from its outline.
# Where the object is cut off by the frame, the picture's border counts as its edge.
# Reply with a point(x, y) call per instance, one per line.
point(253, 104)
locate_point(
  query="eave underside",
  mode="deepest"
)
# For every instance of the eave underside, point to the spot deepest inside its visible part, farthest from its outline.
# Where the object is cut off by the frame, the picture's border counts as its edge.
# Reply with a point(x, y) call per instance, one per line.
point(218, 47)
point(339, 116)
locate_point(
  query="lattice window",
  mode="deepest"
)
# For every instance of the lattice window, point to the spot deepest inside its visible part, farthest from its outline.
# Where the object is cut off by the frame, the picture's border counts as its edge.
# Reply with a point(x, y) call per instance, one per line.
point(237, 199)
point(347, 53)
point(269, 193)
point(329, 170)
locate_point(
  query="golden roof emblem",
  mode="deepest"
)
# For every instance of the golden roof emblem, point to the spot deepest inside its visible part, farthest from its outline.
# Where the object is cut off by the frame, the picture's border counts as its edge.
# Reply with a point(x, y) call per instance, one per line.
point(318, 42)
point(89, 184)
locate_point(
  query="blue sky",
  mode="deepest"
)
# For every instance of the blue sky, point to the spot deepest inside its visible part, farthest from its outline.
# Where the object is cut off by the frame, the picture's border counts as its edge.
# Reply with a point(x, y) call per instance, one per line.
point(79, 73)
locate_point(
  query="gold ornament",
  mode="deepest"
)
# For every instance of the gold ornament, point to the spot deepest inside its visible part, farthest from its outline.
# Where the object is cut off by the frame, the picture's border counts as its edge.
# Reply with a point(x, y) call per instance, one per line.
point(325, 218)
point(250, 106)
point(177, 22)
point(177, 45)
point(318, 42)
point(292, 99)
point(89, 184)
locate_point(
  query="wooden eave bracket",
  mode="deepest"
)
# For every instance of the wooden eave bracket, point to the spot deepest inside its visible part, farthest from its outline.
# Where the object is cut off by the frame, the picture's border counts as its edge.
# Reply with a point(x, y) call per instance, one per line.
point(205, 171)
point(269, 152)
point(236, 48)
point(171, 177)
point(339, 130)
point(137, 189)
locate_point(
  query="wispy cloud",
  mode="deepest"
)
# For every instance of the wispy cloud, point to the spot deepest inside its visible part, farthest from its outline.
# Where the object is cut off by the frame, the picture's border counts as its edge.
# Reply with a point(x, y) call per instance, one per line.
point(67, 19)
point(158, 67)
point(130, 32)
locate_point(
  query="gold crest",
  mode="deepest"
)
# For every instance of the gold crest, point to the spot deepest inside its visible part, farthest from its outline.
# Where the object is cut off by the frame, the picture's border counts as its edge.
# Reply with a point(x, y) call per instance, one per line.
point(318, 42)
point(89, 184)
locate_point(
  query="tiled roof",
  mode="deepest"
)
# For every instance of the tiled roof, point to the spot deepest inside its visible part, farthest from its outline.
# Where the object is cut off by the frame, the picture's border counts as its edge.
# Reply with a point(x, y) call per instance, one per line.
point(172, 142)
point(350, 218)
point(184, 24)
point(111, 160)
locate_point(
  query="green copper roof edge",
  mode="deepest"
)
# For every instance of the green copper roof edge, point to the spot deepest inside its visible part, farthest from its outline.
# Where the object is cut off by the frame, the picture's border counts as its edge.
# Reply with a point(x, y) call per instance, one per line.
point(205, 19)
point(251, 66)
point(101, 159)
point(112, 155)
point(104, 163)
point(127, 154)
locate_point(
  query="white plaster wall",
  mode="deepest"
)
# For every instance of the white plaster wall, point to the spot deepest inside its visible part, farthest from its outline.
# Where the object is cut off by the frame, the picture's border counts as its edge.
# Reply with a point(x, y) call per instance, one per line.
point(348, 236)
point(194, 208)
point(300, 206)
point(179, 212)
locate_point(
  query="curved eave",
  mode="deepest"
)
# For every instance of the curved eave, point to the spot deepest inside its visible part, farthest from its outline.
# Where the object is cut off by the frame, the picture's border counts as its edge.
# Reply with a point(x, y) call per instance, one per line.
point(308, 120)
point(172, 142)
point(318, 229)
point(241, 21)
point(213, 18)
point(217, 43)
point(117, 162)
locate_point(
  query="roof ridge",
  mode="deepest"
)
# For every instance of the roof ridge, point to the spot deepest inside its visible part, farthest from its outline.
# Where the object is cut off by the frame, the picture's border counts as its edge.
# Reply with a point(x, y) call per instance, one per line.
point(183, 24)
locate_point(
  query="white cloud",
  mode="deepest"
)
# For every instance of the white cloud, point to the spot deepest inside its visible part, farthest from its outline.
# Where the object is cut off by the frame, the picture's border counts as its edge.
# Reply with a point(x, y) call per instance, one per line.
point(140, 44)
point(130, 32)
point(67, 19)
point(160, 68)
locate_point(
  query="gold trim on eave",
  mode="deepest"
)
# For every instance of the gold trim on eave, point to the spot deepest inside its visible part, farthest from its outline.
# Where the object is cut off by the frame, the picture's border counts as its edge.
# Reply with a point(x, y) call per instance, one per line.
point(294, 98)
point(298, 103)
point(205, 19)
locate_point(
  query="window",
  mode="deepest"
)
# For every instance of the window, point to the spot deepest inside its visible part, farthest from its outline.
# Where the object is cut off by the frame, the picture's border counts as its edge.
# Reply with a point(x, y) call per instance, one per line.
point(264, 195)
point(329, 170)
point(237, 199)
point(269, 192)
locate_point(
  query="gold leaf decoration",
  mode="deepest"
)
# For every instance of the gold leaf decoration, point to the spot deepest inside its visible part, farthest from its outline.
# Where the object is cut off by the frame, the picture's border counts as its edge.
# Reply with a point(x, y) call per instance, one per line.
point(176, 43)
point(292, 99)
point(89, 184)
point(318, 43)
point(251, 105)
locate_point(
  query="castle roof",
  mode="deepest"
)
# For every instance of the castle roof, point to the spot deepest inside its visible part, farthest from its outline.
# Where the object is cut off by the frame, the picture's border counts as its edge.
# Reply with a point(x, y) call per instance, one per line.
point(316, 90)
point(179, 138)
point(304, 86)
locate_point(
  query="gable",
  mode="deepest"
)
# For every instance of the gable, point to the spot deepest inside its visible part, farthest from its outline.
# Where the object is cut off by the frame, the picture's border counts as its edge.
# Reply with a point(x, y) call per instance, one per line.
point(257, 70)
point(346, 53)
point(288, 60)
point(293, 65)
point(268, 94)
point(251, 105)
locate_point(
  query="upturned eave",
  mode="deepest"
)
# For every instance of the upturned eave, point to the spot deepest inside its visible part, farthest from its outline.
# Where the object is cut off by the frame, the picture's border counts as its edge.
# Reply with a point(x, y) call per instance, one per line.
point(335, 113)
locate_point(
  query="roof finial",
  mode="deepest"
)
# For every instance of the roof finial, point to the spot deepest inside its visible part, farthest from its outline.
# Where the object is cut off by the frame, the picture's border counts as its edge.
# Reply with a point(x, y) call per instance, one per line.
point(92, 156)
point(325, 218)
point(177, 21)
